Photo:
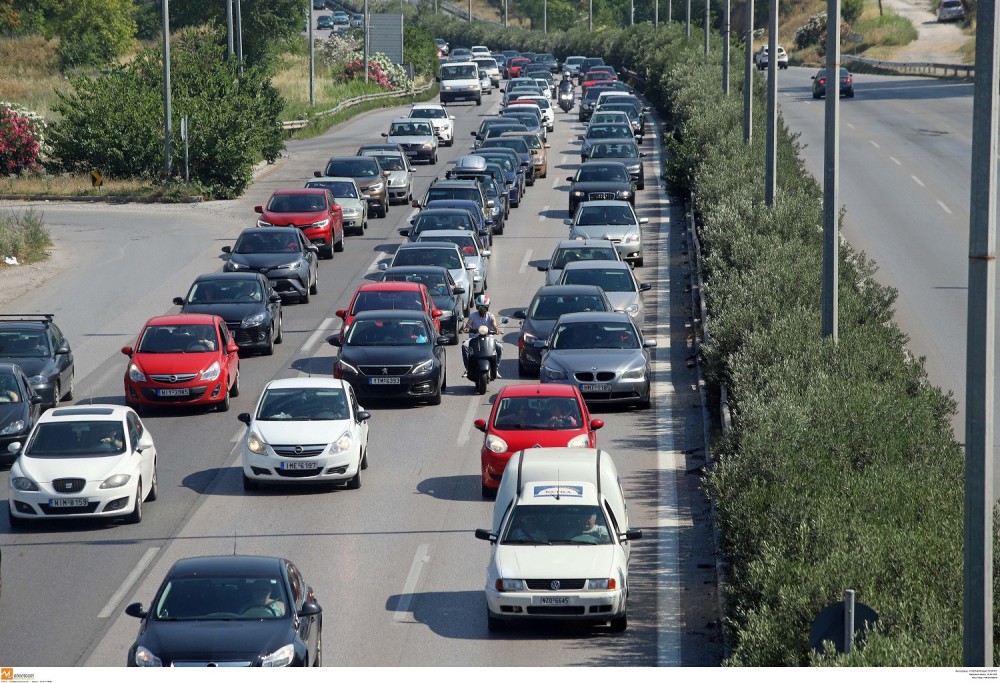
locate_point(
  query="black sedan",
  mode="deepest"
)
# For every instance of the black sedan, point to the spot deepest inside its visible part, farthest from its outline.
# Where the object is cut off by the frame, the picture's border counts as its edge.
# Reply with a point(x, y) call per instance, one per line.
point(230, 611)
point(393, 354)
point(846, 83)
point(283, 255)
point(600, 180)
point(447, 295)
point(36, 343)
point(245, 300)
point(625, 151)
point(20, 407)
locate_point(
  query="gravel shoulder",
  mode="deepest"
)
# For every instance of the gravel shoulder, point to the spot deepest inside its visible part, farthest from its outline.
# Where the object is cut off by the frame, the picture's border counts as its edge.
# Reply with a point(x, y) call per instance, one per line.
point(936, 42)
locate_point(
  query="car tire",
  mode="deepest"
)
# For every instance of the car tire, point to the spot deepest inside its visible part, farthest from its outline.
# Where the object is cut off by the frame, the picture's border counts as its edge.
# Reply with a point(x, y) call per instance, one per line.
point(364, 460)
point(319, 647)
point(154, 488)
point(433, 160)
point(72, 387)
point(269, 349)
point(279, 337)
point(314, 287)
point(451, 142)
point(56, 395)
point(816, 96)
point(479, 101)
point(493, 624)
point(223, 405)
point(135, 516)
point(327, 252)
point(435, 399)
point(234, 391)
point(385, 209)
point(250, 484)
point(641, 185)
point(444, 380)
point(339, 245)
point(620, 624)
point(639, 262)
point(354, 483)
point(304, 298)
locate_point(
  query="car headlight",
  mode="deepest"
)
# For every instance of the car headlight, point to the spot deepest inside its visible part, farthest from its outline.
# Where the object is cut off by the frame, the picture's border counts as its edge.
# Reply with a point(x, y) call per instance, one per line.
point(283, 656)
point(634, 169)
point(447, 87)
point(473, 87)
point(347, 367)
point(528, 338)
point(294, 265)
point(211, 372)
point(496, 444)
point(143, 657)
point(600, 584)
point(631, 238)
point(625, 194)
point(232, 265)
point(342, 444)
point(135, 374)
point(255, 444)
point(115, 481)
point(319, 224)
point(422, 367)
point(37, 380)
point(637, 373)
point(581, 441)
point(427, 145)
point(510, 584)
point(377, 187)
point(553, 373)
point(353, 212)
point(632, 310)
point(253, 320)
point(14, 427)
point(23, 484)
point(261, 223)
point(577, 193)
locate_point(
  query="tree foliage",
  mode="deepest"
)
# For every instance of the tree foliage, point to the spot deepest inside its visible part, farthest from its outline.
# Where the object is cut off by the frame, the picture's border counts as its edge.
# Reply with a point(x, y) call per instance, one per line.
point(266, 23)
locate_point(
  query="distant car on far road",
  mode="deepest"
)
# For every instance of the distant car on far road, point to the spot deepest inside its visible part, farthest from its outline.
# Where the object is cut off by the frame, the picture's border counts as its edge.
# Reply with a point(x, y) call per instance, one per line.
point(846, 84)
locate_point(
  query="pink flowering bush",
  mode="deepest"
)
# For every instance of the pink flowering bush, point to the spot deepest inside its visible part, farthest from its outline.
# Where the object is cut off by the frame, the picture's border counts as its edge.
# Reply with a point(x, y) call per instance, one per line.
point(20, 139)
point(355, 70)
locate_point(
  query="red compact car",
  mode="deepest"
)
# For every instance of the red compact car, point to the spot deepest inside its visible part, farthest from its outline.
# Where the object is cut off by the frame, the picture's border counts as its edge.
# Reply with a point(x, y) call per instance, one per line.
point(183, 359)
point(313, 210)
point(533, 416)
point(515, 65)
point(390, 296)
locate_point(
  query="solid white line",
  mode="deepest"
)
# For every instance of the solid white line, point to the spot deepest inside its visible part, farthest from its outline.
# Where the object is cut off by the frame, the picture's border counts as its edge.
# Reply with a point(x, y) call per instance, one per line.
point(465, 429)
point(874, 144)
point(524, 263)
point(130, 580)
point(944, 206)
point(541, 218)
point(918, 181)
point(849, 125)
point(403, 610)
point(896, 161)
point(314, 337)
point(238, 436)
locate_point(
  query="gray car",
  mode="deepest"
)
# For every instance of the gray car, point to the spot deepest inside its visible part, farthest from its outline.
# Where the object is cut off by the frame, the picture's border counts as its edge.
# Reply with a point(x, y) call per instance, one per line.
point(473, 251)
point(437, 254)
point(399, 182)
point(613, 220)
point(616, 279)
point(550, 302)
point(284, 255)
point(600, 132)
point(416, 137)
point(603, 354)
point(348, 196)
point(568, 251)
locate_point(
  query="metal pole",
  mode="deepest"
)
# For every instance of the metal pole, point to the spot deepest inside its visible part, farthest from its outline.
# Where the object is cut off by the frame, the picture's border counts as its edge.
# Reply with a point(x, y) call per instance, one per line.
point(312, 58)
point(184, 137)
point(770, 167)
point(831, 172)
point(849, 593)
point(239, 36)
point(505, 14)
point(708, 19)
point(977, 596)
point(545, 16)
point(631, 12)
point(656, 14)
point(229, 29)
point(167, 127)
point(470, 11)
point(748, 76)
point(366, 41)
point(590, 20)
point(688, 19)
point(725, 47)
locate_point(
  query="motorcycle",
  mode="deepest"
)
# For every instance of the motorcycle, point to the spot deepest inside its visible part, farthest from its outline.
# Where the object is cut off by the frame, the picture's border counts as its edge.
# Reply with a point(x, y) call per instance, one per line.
point(481, 366)
point(567, 99)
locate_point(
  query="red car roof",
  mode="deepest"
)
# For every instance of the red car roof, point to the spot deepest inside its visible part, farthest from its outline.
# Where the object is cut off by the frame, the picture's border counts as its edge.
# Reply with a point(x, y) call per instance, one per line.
point(183, 319)
point(562, 390)
point(392, 286)
point(301, 190)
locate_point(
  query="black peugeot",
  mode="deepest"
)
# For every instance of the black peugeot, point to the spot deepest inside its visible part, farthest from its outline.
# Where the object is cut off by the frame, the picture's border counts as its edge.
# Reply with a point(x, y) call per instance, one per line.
point(245, 300)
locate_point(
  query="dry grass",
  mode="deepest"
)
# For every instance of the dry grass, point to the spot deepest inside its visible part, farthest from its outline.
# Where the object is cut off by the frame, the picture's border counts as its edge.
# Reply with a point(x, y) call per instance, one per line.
point(29, 73)
point(75, 185)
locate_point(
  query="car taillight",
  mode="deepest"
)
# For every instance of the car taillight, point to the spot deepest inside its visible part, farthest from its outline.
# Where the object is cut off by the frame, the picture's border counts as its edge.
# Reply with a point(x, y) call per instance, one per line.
point(822, 81)
point(848, 80)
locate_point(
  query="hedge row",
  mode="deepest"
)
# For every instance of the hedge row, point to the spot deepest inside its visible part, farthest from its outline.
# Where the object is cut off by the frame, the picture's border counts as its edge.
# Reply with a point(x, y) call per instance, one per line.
point(841, 470)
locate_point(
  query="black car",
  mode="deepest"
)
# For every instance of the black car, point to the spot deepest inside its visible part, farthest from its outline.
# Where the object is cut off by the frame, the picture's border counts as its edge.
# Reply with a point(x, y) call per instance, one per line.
point(589, 100)
point(601, 179)
point(20, 407)
point(625, 151)
point(635, 116)
point(446, 293)
point(549, 60)
point(439, 219)
point(284, 255)
point(393, 354)
point(846, 83)
point(230, 611)
point(35, 342)
point(245, 300)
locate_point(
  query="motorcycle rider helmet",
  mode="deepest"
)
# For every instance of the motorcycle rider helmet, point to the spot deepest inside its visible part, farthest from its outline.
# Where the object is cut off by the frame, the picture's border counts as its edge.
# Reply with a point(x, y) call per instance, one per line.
point(482, 303)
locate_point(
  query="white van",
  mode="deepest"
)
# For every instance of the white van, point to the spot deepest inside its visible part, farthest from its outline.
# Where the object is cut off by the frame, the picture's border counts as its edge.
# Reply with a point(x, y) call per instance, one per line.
point(560, 540)
point(460, 81)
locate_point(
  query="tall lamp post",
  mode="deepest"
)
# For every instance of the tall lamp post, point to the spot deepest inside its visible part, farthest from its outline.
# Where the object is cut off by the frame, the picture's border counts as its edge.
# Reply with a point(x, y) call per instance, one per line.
point(312, 58)
point(229, 28)
point(239, 36)
point(167, 127)
point(748, 76)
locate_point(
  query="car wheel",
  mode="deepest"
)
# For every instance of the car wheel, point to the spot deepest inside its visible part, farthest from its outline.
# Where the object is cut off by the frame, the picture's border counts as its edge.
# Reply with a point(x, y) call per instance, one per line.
point(269, 349)
point(72, 387)
point(816, 96)
point(364, 460)
point(339, 245)
point(434, 159)
point(638, 263)
point(56, 395)
point(250, 484)
point(223, 405)
point(479, 101)
point(435, 399)
point(314, 287)
point(444, 380)
point(641, 185)
point(493, 624)
point(619, 624)
point(318, 661)
point(234, 391)
point(327, 252)
point(278, 338)
point(135, 516)
point(450, 142)
point(304, 298)
point(523, 370)
point(154, 488)
point(354, 483)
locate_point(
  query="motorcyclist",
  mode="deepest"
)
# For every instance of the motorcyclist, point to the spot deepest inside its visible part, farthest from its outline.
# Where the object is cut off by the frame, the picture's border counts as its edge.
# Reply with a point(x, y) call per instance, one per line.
point(480, 317)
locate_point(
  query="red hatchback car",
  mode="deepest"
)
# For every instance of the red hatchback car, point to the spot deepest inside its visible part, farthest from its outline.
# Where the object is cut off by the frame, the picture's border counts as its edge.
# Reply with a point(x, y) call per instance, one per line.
point(182, 359)
point(515, 65)
point(390, 296)
point(533, 416)
point(313, 210)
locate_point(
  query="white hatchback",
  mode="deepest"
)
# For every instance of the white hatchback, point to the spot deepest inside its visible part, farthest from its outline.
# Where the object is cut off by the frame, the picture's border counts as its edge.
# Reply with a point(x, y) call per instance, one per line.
point(305, 430)
point(83, 461)
point(443, 122)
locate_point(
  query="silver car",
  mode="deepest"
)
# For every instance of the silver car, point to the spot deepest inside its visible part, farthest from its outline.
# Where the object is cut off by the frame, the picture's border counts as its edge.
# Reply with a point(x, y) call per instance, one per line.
point(568, 251)
point(416, 137)
point(613, 220)
point(399, 182)
point(603, 354)
point(352, 203)
point(473, 251)
point(437, 254)
point(616, 279)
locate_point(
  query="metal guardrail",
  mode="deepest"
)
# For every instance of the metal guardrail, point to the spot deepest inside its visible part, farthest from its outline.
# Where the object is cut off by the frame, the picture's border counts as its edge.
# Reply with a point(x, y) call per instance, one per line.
point(969, 70)
point(292, 126)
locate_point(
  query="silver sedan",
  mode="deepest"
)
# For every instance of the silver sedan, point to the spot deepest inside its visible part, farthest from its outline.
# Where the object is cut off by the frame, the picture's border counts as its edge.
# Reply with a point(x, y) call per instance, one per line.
point(617, 281)
point(613, 220)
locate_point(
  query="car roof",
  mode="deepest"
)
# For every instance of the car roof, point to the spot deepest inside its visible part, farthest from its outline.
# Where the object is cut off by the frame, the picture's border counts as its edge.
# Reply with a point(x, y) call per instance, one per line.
point(602, 162)
point(455, 183)
point(334, 178)
point(381, 286)
point(437, 210)
point(184, 319)
point(102, 411)
point(306, 382)
point(607, 202)
point(26, 321)
point(562, 290)
point(269, 229)
point(414, 269)
point(435, 245)
point(225, 566)
point(606, 264)
point(594, 316)
point(589, 242)
point(234, 275)
point(301, 191)
point(565, 390)
point(444, 232)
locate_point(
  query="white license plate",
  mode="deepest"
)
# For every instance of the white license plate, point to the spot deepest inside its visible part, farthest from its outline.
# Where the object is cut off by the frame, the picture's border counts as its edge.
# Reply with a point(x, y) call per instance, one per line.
point(595, 388)
point(68, 502)
point(298, 465)
point(554, 601)
point(383, 380)
point(173, 392)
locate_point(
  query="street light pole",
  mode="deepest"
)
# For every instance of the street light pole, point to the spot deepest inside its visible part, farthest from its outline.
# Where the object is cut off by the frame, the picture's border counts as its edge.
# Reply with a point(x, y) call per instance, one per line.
point(727, 10)
point(770, 164)
point(590, 14)
point(229, 28)
point(545, 16)
point(366, 41)
point(167, 127)
point(748, 76)
point(831, 173)
point(239, 36)
point(312, 58)
point(688, 19)
point(707, 20)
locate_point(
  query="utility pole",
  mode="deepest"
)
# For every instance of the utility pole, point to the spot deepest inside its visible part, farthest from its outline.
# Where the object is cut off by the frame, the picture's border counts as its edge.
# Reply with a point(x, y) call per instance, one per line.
point(545, 16)
point(656, 14)
point(708, 18)
point(725, 47)
point(688, 19)
point(831, 174)
point(312, 57)
point(980, 491)
point(470, 11)
point(239, 36)
point(229, 28)
point(167, 127)
point(748, 75)
point(366, 41)
point(770, 166)
point(631, 12)
point(505, 24)
point(590, 20)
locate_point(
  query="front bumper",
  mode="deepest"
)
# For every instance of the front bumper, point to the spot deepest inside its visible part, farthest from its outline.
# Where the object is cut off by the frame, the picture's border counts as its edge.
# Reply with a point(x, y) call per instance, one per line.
point(580, 605)
point(616, 392)
point(493, 466)
point(410, 386)
point(91, 501)
point(290, 285)
point(275, 469)
point(151, 393)
point(256, 337)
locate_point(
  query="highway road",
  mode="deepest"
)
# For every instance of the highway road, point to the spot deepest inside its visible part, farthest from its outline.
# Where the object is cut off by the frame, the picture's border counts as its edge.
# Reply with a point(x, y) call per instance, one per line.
point(395, 562)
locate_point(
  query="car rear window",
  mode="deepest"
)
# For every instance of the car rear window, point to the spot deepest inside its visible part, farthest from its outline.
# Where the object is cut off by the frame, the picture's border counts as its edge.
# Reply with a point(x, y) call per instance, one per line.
point(551, 306)
point(608, 279)
point(564, 256)
point(355, 167)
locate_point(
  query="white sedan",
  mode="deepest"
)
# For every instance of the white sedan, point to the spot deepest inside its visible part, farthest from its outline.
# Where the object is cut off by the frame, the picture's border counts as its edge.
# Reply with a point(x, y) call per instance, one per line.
point(305, 430)
point(83, 461)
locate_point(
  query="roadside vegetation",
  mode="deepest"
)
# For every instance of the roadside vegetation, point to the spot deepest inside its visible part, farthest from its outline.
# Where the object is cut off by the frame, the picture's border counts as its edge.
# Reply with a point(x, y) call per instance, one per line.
point(23, 236)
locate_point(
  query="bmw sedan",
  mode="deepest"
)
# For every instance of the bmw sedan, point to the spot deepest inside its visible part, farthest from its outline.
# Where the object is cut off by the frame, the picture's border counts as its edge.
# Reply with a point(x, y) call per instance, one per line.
point(611, 220)
point(568, 251)
point(596, 180)
point(282, 254)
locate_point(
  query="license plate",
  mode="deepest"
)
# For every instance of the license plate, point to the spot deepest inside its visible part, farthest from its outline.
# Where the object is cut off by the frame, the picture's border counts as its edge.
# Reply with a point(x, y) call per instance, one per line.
point(68, 502)
point(173, 392)
point(555, 601)
point(595, 388)
point(383, 380)
point(298, 465)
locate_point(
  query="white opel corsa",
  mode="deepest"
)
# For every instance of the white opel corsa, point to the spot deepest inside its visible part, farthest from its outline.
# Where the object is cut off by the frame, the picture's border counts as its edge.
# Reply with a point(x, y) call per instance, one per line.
point(305, 430)
point(83, 461)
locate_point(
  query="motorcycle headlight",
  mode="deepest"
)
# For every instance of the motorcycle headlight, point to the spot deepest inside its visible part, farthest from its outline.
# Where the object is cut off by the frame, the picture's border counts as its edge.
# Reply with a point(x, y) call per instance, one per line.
point(115, 481)
point(14, 427)
point(377, 187)
point(283, 656)
point(342, 444)
point(255, 444)
point(253, 320)
point(23, 484)
point(422, 367)
point(143, 657)
point(320, 224)
point(496, 444)
point(211, 372)
point(553, 373)
point(135, 374)
point(261, 223)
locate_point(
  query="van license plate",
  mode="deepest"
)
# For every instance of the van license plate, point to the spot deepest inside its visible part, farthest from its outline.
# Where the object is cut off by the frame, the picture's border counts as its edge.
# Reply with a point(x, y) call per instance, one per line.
point(595, 388)
point(555, 601)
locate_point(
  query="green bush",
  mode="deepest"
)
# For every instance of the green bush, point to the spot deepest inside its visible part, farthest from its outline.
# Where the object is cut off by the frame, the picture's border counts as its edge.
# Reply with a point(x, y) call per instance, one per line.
point(23, 236)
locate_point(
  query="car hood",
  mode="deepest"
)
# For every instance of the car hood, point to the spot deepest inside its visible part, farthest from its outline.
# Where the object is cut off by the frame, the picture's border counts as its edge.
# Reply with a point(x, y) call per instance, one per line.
point(174, 363)
point(386, 355)
point(602, 186)
point(587, 359)
point(350, 203)
point(30, 366)
point(602, 232)
point(199, 641)
point(231, 313)
point(398, 177)
point(622, 300)
point(258, 261)
point(44, 470)
point(555, 561)
point(294, 431)
point(293, 219)
point(410, 139)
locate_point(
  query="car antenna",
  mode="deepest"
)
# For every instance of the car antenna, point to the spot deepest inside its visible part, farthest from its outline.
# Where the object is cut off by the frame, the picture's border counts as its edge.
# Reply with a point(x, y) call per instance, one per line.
point(234, 544)
point(558, 481)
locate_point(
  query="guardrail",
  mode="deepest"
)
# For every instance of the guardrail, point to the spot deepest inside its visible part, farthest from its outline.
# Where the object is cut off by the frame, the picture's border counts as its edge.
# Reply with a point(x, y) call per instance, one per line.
point(969, 70)
point(292, 126)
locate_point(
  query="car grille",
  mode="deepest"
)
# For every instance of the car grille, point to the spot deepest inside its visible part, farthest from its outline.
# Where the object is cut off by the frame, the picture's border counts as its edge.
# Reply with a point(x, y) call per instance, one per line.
point(379, 370)
point(49, 510)
point(173, 379)
point(557, 610)
point(299, 451)
point(601, 195)
point(590, 376)
point(241, 336)
point(68, 485)
point(546, 584)
point(212, 664)
point(298, 474)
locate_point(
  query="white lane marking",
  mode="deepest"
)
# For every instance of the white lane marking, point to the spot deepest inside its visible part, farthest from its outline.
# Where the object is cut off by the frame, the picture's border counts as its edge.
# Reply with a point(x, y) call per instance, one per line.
point(524, 263)
point(874, 144)
point(403, 609)
point(314, 337)
point(541, 217)
point(238, 436)
point(944, 206)
point(466, 427)
point(896, 161)
point(130, 580)
point(849, 125)
point(555, 181)
point(565, 158)
point(918, 181)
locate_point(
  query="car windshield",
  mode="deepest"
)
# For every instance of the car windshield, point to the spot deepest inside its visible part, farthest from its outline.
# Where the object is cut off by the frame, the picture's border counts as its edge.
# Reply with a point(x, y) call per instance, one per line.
point(537, 412)
point(340, 189)
point(446, 258)
point(564, 256)
point(452, 72)
point(594, 335)
point(84, 438)
point(496, 130)
point(418, 128)
point(447, 221)
point(608, 279)
point(604, 215)
point(551, 306)
point(296, 203)
point(213, 598)
point(391, 162)
point(387, 301)
point(24, 344)
point(428, 114)
point(602, 172)
point(267, 243)
point(466, 193)
point(605, 150)
point(556, 525)
point(303, 403)
point(225, 292)
point(388, 333)
point(609, 117)
point(355, 167)
point(533, 141)
point(187, 338)
point(525, 117)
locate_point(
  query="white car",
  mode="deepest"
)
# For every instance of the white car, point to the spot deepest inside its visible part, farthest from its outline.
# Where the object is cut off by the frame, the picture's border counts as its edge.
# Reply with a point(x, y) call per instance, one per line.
point(444, 123)
point(83, 461)
point(762, 59)
point(480, 51)
point(305, 430)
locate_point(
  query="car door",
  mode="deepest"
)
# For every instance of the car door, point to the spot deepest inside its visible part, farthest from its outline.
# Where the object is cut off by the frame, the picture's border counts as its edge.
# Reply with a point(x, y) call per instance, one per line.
point(307, 627)
point(273, 307)
point(311, 258)
point(63, 361)
point(146, 458)
point(361, 426)
point(230, 360)
point(336, 217)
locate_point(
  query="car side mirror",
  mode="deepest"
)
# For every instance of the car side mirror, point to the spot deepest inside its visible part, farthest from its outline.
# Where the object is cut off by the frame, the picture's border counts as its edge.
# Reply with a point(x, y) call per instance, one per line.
point(333, 340)
point(386, 174)
point(178, 301)
point(579, 137)
point(136, 610)
point(542, 269)
point(258, 209)
point(571, 179)
point(310, 609)
point(645, 287)
point(127, 350)
point(567, 221)
point(443, 339)
point(630, 535)
point(244, 418)
point(274, 298)
point(317, 174)
point(643, 221)
point(596, 424)
point(415, 204)
point(480, 424)
point(486, 535)
point(232, 348)
point(15, 446)
point(385, 135)
point(436, 313)
point(35, 400)
point(642, 155)
point(313, 248)
point(458, 290)
point(648, 343)
point(363, 415)
point(145, 442)
point(485, 254)
point(812, 78)
point(383, 266)
point(520, 314)
point(405, 232)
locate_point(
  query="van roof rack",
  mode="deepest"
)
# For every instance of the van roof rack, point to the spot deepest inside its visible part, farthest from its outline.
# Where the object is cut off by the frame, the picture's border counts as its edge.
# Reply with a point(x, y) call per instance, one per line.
point(29, 317)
